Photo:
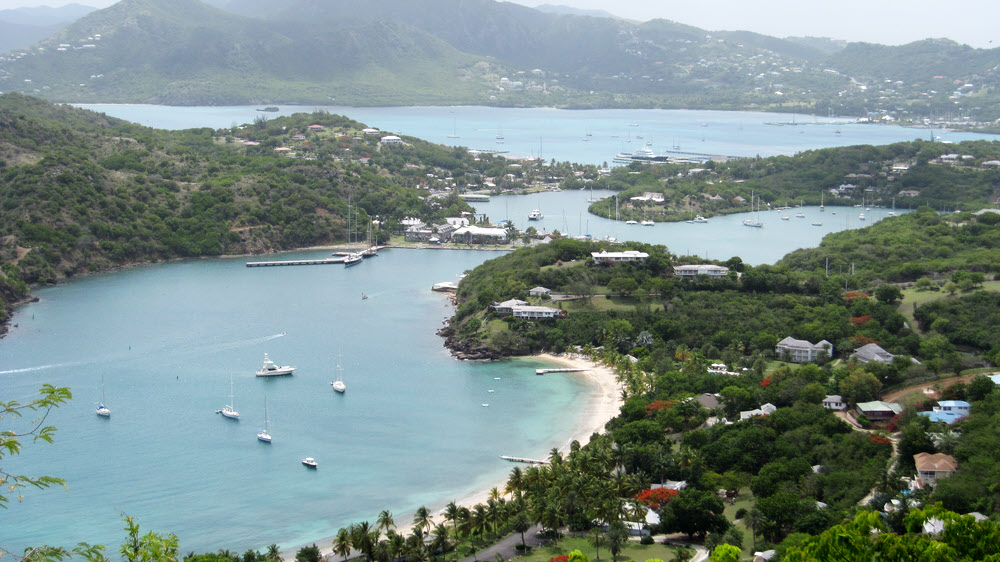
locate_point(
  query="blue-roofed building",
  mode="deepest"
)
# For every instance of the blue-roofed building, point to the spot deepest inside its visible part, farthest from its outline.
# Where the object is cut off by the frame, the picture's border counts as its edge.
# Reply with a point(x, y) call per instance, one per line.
point(939, 416)
point(958, 406)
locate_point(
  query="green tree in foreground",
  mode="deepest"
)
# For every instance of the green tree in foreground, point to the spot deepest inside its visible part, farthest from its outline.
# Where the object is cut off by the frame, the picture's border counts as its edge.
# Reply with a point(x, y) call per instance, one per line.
point(308, 554)
point(726, 553)
point(868, 538)
point(10, 439)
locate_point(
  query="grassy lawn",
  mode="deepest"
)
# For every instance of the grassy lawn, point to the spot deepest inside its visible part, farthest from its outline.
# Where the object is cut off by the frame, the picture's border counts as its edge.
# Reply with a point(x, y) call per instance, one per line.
point(914, 298)
point(601, 302)
point(634, 551)
point(744, 501)
point(496, 325)
point(574, 263)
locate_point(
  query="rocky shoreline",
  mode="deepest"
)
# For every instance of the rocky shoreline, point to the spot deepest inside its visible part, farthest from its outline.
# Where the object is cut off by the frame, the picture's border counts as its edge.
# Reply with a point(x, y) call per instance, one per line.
point(465, 351)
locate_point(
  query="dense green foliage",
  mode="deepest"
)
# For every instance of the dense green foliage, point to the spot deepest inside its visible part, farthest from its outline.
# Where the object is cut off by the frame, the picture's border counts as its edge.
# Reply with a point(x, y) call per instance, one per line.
point(83, 192)
point(970, 320)
point(808, 177)
point(907, 247)
point(725, 318)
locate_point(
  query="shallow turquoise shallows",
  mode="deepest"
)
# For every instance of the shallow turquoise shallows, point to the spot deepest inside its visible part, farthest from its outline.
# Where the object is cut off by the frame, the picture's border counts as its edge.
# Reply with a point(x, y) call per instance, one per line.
point(410, 430)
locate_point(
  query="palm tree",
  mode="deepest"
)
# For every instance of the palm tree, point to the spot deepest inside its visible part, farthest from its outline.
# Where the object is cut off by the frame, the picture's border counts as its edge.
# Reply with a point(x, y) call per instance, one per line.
point(274, 554)
point(480, 520)
point(422, 518)
point(597, 541)
point(451, 514)
point(465, 526)
point(515, 481)
point(385, 522)
point(617, 537)
point(395, 544)
point(755, 521)
point(494, 494)
point(521, 524)
point(342, 544)
point(364, 538)
point(441, 544)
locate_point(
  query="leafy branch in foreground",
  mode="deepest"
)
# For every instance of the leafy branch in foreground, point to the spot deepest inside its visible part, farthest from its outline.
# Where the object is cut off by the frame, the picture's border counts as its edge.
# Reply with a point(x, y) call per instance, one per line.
point(11, 440)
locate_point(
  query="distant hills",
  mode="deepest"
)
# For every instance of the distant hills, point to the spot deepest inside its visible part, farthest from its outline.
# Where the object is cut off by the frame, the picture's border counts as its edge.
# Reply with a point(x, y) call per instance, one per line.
point(22, 27)
point(397, 52)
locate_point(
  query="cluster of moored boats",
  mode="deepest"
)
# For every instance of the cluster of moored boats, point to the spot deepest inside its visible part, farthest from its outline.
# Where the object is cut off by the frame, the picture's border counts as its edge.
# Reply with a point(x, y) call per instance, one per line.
point(268, 369)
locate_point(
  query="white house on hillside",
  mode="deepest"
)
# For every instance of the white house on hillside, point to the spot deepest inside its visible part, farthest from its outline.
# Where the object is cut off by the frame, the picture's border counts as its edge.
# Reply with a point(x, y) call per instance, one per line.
point(627, 255)
point(802, 351)
point(690, 271)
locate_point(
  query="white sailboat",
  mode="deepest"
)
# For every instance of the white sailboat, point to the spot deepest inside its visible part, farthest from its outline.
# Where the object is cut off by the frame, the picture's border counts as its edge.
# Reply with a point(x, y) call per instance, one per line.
point(892, 213)
point(338, 385)
point(103, 410)
point(264, 435)
point(754, 222)
point(229, 410)
point(821, 206)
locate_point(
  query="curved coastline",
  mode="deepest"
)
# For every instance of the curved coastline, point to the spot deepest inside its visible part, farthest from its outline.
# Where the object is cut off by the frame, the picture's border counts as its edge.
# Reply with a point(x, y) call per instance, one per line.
point(603, 404)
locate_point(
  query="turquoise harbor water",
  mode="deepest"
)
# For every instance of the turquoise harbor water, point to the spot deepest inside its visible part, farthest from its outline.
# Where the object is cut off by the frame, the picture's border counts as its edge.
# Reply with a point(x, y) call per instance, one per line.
point(562, 134)
point(411, 429)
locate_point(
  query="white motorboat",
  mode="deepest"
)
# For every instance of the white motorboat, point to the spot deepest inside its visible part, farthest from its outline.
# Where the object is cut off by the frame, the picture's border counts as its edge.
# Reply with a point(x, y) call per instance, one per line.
point(310, 462)
point(631, 221)
point(270, 369)
point(648, 222)
point(338, 385)
point(264, 435)
point(535, 215)
point(229, 410)
point(353, 258)
point(699, 218)
point(784, 217)
point(800, 215)
point(103, 410)
point(817, 224)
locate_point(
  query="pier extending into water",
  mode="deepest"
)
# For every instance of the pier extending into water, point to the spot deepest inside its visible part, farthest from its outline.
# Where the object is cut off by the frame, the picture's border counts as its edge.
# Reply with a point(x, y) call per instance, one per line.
point(280, 263)
point(543, 371)
point(522, 459)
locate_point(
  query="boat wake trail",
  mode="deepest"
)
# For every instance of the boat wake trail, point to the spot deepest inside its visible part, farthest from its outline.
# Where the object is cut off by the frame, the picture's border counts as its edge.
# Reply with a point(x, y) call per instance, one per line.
point(41, 368)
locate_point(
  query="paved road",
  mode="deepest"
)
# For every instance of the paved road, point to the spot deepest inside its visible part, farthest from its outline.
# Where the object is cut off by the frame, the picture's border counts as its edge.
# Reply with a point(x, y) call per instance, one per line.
point(505, 547)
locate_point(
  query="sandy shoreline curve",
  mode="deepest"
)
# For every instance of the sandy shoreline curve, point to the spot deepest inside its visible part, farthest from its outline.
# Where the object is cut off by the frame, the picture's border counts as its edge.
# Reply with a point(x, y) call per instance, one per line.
point(602, 406)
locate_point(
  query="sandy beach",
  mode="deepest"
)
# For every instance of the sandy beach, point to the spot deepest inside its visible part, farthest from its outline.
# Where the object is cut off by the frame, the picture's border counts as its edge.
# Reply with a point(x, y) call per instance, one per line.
point(603, 405)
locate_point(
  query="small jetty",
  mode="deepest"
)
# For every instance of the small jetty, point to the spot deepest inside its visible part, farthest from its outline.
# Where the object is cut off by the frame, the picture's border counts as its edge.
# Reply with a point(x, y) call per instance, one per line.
point(445, 287)
point(543, 371)
point(522, 459)
point(281, 263)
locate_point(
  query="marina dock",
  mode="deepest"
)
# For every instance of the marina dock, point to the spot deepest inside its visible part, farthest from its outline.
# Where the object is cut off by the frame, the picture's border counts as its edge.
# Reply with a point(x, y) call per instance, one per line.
point(543, 371)
point(280, 263)
point(522, 459)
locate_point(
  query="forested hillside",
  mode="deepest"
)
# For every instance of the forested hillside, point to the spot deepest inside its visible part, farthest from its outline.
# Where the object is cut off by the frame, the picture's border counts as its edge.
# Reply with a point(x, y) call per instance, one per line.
point(459, 51)
point(80, 191)
point(905, 175)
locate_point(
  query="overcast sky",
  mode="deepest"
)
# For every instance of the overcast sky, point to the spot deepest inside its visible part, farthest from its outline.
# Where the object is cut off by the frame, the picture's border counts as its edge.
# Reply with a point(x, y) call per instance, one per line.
point(891, 22)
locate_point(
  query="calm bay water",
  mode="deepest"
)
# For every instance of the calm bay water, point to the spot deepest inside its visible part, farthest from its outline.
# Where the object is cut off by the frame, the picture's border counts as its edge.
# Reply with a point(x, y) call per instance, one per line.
point(720, 238)
point(562, 134)
point(411, 429)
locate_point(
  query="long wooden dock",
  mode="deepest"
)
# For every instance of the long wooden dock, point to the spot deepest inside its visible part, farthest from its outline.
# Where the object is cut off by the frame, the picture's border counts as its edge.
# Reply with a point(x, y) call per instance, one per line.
point(522, 459)
point(280, 263)
point(543, 371)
